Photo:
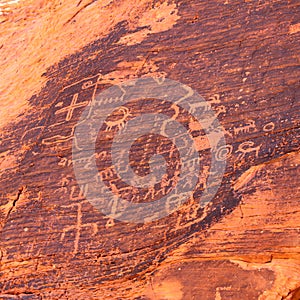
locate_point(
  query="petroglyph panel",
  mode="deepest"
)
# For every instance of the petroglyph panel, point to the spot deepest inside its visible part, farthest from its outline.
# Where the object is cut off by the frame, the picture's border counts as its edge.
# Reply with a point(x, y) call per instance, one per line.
point(54, 243)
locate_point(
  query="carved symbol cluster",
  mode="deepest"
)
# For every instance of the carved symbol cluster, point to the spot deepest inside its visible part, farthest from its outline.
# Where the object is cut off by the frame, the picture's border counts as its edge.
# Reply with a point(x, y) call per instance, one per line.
point(140, 149)
point(144, 131)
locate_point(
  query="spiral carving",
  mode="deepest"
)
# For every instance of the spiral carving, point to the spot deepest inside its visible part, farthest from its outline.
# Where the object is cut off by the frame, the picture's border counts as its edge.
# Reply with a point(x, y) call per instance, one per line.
point(224, 152)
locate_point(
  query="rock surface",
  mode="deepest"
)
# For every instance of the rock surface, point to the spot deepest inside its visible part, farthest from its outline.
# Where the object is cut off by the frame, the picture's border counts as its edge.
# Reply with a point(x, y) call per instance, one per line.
point(242, 57)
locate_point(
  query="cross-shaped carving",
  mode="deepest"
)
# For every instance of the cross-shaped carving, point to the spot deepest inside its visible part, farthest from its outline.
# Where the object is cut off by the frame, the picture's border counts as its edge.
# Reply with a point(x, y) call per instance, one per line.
point(70, 109)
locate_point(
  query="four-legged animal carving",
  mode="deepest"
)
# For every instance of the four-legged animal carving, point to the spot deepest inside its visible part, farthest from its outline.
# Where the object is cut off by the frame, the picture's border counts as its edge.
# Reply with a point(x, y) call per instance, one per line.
point(246, 128)
point(215, 99)
point(221, 109)
point(247, 147)
point(120, 123)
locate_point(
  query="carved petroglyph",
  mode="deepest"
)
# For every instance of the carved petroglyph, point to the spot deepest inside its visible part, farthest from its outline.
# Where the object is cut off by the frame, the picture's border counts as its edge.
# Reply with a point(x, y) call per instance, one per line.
point(110, 223)
point(107, 173)
point(32, 133)
point(64, 183)
point(82, 81)
point(64, 162)
point(103, 101)
point(70, 109)
point(215, 99)
point(185, 111)
point(220, 110)
point(228, 133)
point(246, 128)
point(87, 161)
point(168, 184)
point(151, 193)
point(120, 123)
point(269, 127)
point(59, 104)
point(172, 202)
point(57, 139)
point(224, 152)
point(77, 227)
point(87, 84)
point(203, 176)
point(76, 195)
point(102, 155)
point(247, 147)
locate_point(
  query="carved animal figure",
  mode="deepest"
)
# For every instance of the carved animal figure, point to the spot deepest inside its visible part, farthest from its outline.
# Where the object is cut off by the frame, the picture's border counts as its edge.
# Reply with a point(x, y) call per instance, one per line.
point(245, 129)
point(221, 109)
point(215, 99)
point(120, 123)
point(247, 147)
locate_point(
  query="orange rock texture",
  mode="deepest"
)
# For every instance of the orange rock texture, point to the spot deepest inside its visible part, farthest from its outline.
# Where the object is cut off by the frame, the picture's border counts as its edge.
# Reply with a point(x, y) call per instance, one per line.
point(242, 57)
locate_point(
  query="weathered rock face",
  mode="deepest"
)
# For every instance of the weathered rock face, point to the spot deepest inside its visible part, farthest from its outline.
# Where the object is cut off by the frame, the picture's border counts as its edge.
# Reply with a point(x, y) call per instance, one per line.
point(243, 58)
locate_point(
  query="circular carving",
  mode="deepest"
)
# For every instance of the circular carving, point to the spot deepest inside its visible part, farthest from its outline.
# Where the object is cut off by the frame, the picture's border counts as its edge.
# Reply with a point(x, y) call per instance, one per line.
point(269, 127)
point(224, 152)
